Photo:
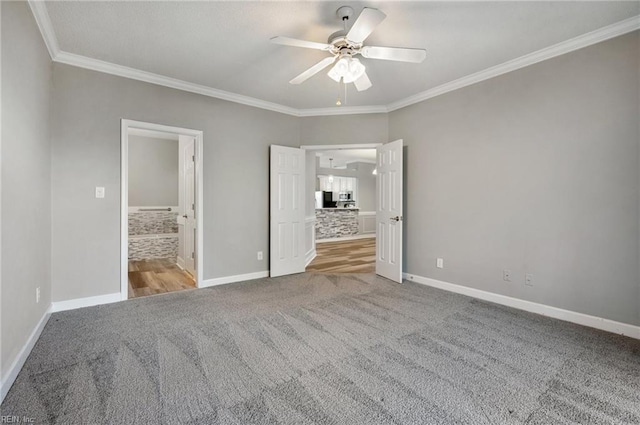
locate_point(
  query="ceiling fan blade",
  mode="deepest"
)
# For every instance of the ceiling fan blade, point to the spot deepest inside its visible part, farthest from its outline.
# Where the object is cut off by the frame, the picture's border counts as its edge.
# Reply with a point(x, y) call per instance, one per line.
point(394, 54)
point(365, 24)
point(362, 83)
point(286, 41)
point(313, 70)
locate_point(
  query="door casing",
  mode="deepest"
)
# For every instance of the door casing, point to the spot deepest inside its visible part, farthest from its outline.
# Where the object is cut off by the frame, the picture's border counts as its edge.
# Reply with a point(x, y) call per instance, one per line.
point(125, 126)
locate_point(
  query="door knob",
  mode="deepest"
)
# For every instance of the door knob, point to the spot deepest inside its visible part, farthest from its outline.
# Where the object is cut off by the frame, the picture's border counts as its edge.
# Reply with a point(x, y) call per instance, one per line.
point(185, 216)
point(396, 218)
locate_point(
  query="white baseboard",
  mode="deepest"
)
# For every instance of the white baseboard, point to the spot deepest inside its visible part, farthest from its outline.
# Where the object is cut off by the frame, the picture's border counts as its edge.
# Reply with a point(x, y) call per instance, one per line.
point(16, 366)
point(231, 279)
point(347, 238)
point(180, 263)
point(85, 302)
point(545, 310)
point(310, 257)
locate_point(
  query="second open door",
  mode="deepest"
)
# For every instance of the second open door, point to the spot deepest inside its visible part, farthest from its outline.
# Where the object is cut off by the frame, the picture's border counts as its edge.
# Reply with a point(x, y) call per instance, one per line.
point(287, 254)
point(389, 211)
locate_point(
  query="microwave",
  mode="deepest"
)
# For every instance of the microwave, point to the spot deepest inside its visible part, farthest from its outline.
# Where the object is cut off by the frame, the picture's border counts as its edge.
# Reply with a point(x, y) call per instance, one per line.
point(345, 196)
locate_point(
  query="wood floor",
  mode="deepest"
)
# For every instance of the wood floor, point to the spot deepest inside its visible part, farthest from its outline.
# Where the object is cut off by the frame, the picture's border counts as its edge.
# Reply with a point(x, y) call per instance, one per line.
point(355, 256)
point(150, 277)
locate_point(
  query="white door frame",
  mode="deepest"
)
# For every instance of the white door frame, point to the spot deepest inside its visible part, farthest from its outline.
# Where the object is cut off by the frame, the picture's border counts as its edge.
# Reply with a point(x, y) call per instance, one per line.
point(124, 197)
point(334, 147)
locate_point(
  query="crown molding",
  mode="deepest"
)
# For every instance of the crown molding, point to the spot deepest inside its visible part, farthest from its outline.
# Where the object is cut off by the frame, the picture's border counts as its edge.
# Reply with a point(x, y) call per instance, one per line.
point(174, 83)
point(41, 16)
point(567, 46)
point(40, 13)
point(343, 110)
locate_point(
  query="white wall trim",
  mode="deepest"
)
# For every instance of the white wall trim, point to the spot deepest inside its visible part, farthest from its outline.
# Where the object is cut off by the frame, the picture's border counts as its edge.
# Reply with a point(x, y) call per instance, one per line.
point(232, 279)
point(343, 146)
point(153, 134)
point(310, 223)
point(124, 195)
point(366, 213)
point(567, 46)
point(342, 110)
point(545, 310)
point(41, 15)
point(174, 83)
point(346, 238)
point(57, 306)
point(46, 28)
point(310, 257)
point(16, 366)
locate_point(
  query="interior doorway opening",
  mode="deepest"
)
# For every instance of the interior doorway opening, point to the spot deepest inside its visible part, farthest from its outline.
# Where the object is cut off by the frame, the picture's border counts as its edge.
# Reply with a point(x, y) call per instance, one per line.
point(343, 217)
point(292, 177)
point(161, 222)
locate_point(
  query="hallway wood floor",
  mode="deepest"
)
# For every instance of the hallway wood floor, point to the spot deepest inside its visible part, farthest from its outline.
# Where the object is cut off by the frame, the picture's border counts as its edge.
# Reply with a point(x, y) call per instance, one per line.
point(355, 256)
point(150, 277)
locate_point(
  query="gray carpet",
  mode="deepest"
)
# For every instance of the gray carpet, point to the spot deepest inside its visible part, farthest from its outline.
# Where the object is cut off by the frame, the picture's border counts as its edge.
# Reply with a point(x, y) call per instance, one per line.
point(323, 349)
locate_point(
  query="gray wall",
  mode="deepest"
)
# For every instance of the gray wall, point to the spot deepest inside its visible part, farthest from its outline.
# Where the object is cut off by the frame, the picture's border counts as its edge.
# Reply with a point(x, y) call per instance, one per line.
point(366, 187)
point(86, 153)
point(26, 190)
point(153, 172)
point(536, 171)
point(344, 129)
point(310, 183)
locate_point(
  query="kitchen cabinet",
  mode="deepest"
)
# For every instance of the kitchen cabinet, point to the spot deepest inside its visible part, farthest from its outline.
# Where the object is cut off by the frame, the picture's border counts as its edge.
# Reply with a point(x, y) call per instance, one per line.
point(339, 184)
point(325, 184)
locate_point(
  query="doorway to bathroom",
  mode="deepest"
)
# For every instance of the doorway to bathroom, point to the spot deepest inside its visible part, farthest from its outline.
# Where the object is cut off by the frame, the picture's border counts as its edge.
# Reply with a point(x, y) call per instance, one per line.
point(161, 234)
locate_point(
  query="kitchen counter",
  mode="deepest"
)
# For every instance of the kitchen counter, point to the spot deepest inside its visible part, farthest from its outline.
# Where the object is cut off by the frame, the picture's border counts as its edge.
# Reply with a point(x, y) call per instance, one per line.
point(336, 222)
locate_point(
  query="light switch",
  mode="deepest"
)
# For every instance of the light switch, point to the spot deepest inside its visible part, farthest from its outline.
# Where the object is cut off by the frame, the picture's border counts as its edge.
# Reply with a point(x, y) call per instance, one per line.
point(99, 192)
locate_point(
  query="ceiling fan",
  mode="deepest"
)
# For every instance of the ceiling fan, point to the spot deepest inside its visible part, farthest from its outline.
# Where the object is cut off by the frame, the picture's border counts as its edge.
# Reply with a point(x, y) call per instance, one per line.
point(343, 45)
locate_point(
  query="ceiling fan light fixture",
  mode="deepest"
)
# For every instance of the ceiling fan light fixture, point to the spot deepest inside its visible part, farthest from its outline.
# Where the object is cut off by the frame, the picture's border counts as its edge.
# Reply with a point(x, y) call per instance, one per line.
point(348, 69)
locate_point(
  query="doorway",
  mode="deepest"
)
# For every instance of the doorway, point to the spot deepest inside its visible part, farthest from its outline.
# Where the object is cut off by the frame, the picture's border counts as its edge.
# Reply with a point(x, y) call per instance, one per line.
point(161, 221)
point(344, 183)
point(290, 203)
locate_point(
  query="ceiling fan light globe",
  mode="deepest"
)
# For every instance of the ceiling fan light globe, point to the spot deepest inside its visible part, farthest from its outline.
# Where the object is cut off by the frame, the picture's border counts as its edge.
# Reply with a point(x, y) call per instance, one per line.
point(342, 67)
point(356, 69)
point(333, 74)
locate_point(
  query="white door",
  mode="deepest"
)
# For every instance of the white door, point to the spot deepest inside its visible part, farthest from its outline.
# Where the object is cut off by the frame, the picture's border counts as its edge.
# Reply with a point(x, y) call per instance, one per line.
point(286, 253)
point(189, 209)
point(389, 211)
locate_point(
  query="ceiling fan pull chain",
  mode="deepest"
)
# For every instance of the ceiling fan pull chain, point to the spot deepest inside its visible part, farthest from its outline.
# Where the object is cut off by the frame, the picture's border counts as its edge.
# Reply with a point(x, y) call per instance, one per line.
point(345, 91)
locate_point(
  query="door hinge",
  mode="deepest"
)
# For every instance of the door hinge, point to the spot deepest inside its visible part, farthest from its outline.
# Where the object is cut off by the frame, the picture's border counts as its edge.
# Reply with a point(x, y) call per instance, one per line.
point(193, 207)
point(193, 255)
point(193, 158)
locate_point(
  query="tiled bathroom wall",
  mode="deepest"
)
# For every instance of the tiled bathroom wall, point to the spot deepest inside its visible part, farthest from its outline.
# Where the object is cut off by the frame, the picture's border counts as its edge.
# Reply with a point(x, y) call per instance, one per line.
point(153, 234)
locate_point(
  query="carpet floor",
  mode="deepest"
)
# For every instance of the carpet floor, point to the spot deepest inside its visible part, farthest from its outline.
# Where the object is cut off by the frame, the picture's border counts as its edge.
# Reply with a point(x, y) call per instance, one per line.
point(323, 349)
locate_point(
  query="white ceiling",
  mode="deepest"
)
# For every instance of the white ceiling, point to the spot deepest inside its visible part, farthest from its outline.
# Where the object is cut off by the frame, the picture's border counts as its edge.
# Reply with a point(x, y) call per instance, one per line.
point(225, 45)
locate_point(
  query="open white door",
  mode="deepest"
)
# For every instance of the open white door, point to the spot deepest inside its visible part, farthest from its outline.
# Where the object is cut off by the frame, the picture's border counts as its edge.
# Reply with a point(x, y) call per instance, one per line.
point(190, 205)
point(286, 253)
point(389, 211)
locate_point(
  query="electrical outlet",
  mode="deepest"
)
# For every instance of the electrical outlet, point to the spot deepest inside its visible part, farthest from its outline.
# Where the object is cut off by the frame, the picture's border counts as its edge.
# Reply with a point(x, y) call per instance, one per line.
point(528, 279)
point(506, 275)
point(37, 294)
point(99, 192)
point(439, 263)
point(259, 255)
